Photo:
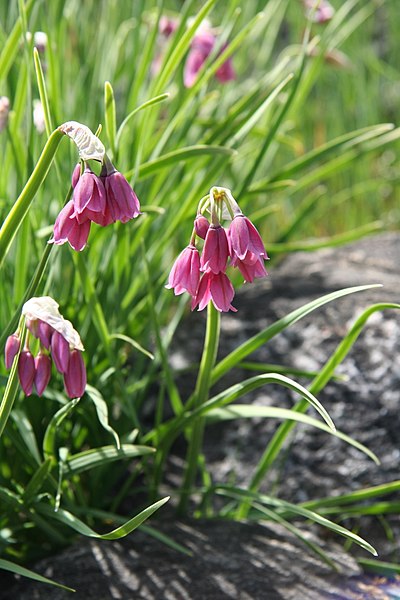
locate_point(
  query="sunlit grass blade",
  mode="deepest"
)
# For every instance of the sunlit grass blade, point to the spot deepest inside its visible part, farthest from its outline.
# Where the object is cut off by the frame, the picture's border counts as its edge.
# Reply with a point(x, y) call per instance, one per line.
point(380, 567)
point(11, 46)
point(251, 411)
point(129, 117)
point(89, 459)
point(102, 412)
point(43, 93)
point(356, 496)
point(132, 342)
point(72, 521)
point(7, 565)
point(288, 508)
point(264, 336)
point(49, 437)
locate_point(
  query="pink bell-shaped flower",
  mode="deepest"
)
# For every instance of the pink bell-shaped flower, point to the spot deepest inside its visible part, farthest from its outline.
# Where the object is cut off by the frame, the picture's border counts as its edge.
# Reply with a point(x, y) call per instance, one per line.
point(75, 376)
point(13, 345)
point(60, 352)
point(43, 372)
point(89, 197)
point(122, 201)
point(245, 238)
point(218, 289)
point(216, 250)
point(26, 371)
point(185, 273)
point(68, 229)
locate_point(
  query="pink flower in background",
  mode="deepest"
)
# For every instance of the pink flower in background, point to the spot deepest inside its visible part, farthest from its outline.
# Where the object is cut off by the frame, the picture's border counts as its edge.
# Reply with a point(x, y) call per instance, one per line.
point(58, 340)
point(185, 273)
point(320, 11)
point(202, 45)
point(167, 26)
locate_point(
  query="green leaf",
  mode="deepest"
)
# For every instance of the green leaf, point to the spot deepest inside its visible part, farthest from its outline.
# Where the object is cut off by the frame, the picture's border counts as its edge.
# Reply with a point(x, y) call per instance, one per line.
point(102, 412)
point(131, 341)
point(147, 104)
point(67, 518)
point(18, 570)
point(89, 459)
point(37, 480)
point(49, 448)
point(251, 411)
point(110, 115)
point(11, 46)
point(264, 336)
point(176, 156)
point(293, 509)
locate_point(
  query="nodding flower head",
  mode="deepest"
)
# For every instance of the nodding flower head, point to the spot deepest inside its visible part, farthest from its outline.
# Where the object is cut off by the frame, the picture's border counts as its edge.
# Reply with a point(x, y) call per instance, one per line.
point(240, 246)
point(102, 199)
point(58, 340)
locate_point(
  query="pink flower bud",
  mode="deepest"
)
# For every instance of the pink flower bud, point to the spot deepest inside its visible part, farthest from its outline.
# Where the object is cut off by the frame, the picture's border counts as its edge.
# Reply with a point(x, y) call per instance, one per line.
point(13, 344)
point(89, 195)
point(26, 371)
point(75, 376)
point(201, 226)
point(43, 372)
point(44, 331)
point(76, 173)
point(60, 352)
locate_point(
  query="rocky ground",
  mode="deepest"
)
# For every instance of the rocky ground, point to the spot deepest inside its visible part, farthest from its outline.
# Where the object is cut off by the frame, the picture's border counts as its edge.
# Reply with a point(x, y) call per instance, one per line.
point(234, 560)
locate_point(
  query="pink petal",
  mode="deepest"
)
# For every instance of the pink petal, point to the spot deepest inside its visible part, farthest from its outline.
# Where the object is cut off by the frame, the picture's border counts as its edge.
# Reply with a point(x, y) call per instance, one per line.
point(43, 372)
point(222, 292)
point(60, 352)
point(13, 344)
point(75, 376)
point(26, 371)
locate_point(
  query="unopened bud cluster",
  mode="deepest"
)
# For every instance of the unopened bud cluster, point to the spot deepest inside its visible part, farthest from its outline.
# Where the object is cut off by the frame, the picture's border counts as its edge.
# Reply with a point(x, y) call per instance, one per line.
point(58, 343)
point(240, 245)
point(100, 199)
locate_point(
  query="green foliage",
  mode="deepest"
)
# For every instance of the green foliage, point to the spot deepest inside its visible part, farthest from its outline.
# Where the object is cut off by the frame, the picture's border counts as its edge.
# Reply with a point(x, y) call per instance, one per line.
point(310, 161)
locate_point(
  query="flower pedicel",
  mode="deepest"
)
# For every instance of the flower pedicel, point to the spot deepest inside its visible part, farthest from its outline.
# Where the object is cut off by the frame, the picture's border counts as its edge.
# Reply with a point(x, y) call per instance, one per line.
point(204, 277)
point(58, 341)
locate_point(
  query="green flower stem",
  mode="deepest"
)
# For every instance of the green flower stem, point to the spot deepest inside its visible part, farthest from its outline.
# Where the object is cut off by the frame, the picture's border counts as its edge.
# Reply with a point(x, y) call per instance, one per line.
point(12, 386)
point(22, 204)
point(200, 396)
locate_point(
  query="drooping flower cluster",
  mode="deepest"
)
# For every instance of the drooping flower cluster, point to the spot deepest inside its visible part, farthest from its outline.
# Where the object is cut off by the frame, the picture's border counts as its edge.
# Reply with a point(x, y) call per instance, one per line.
point(202, 46)
point(204, 276)
point(58, 340)
point(100, 199)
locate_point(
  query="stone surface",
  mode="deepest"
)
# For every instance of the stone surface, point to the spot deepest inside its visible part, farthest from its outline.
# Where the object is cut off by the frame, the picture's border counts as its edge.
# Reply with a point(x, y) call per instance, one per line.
point(229, 560)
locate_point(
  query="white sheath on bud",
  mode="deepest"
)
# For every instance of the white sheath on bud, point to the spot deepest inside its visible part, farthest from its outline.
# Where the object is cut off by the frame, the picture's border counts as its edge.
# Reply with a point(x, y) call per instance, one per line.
point(46, 309)
point(89, 145)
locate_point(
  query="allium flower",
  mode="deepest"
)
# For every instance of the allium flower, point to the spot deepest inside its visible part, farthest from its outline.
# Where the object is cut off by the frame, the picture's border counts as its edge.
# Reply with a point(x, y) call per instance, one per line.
point(42, 372)
point(185, 273)
point(320, 11)
point(218, 289)
point(167, 26)
point(245, 238)
point(122, 202)
point(239, 246)
point(216, 250)
point(75, 376)
point(202, 45)
point(56, 335)
point(13, 345)
point(251, 267)
point(26, 371)
point(68, 229)
point(89, 197)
